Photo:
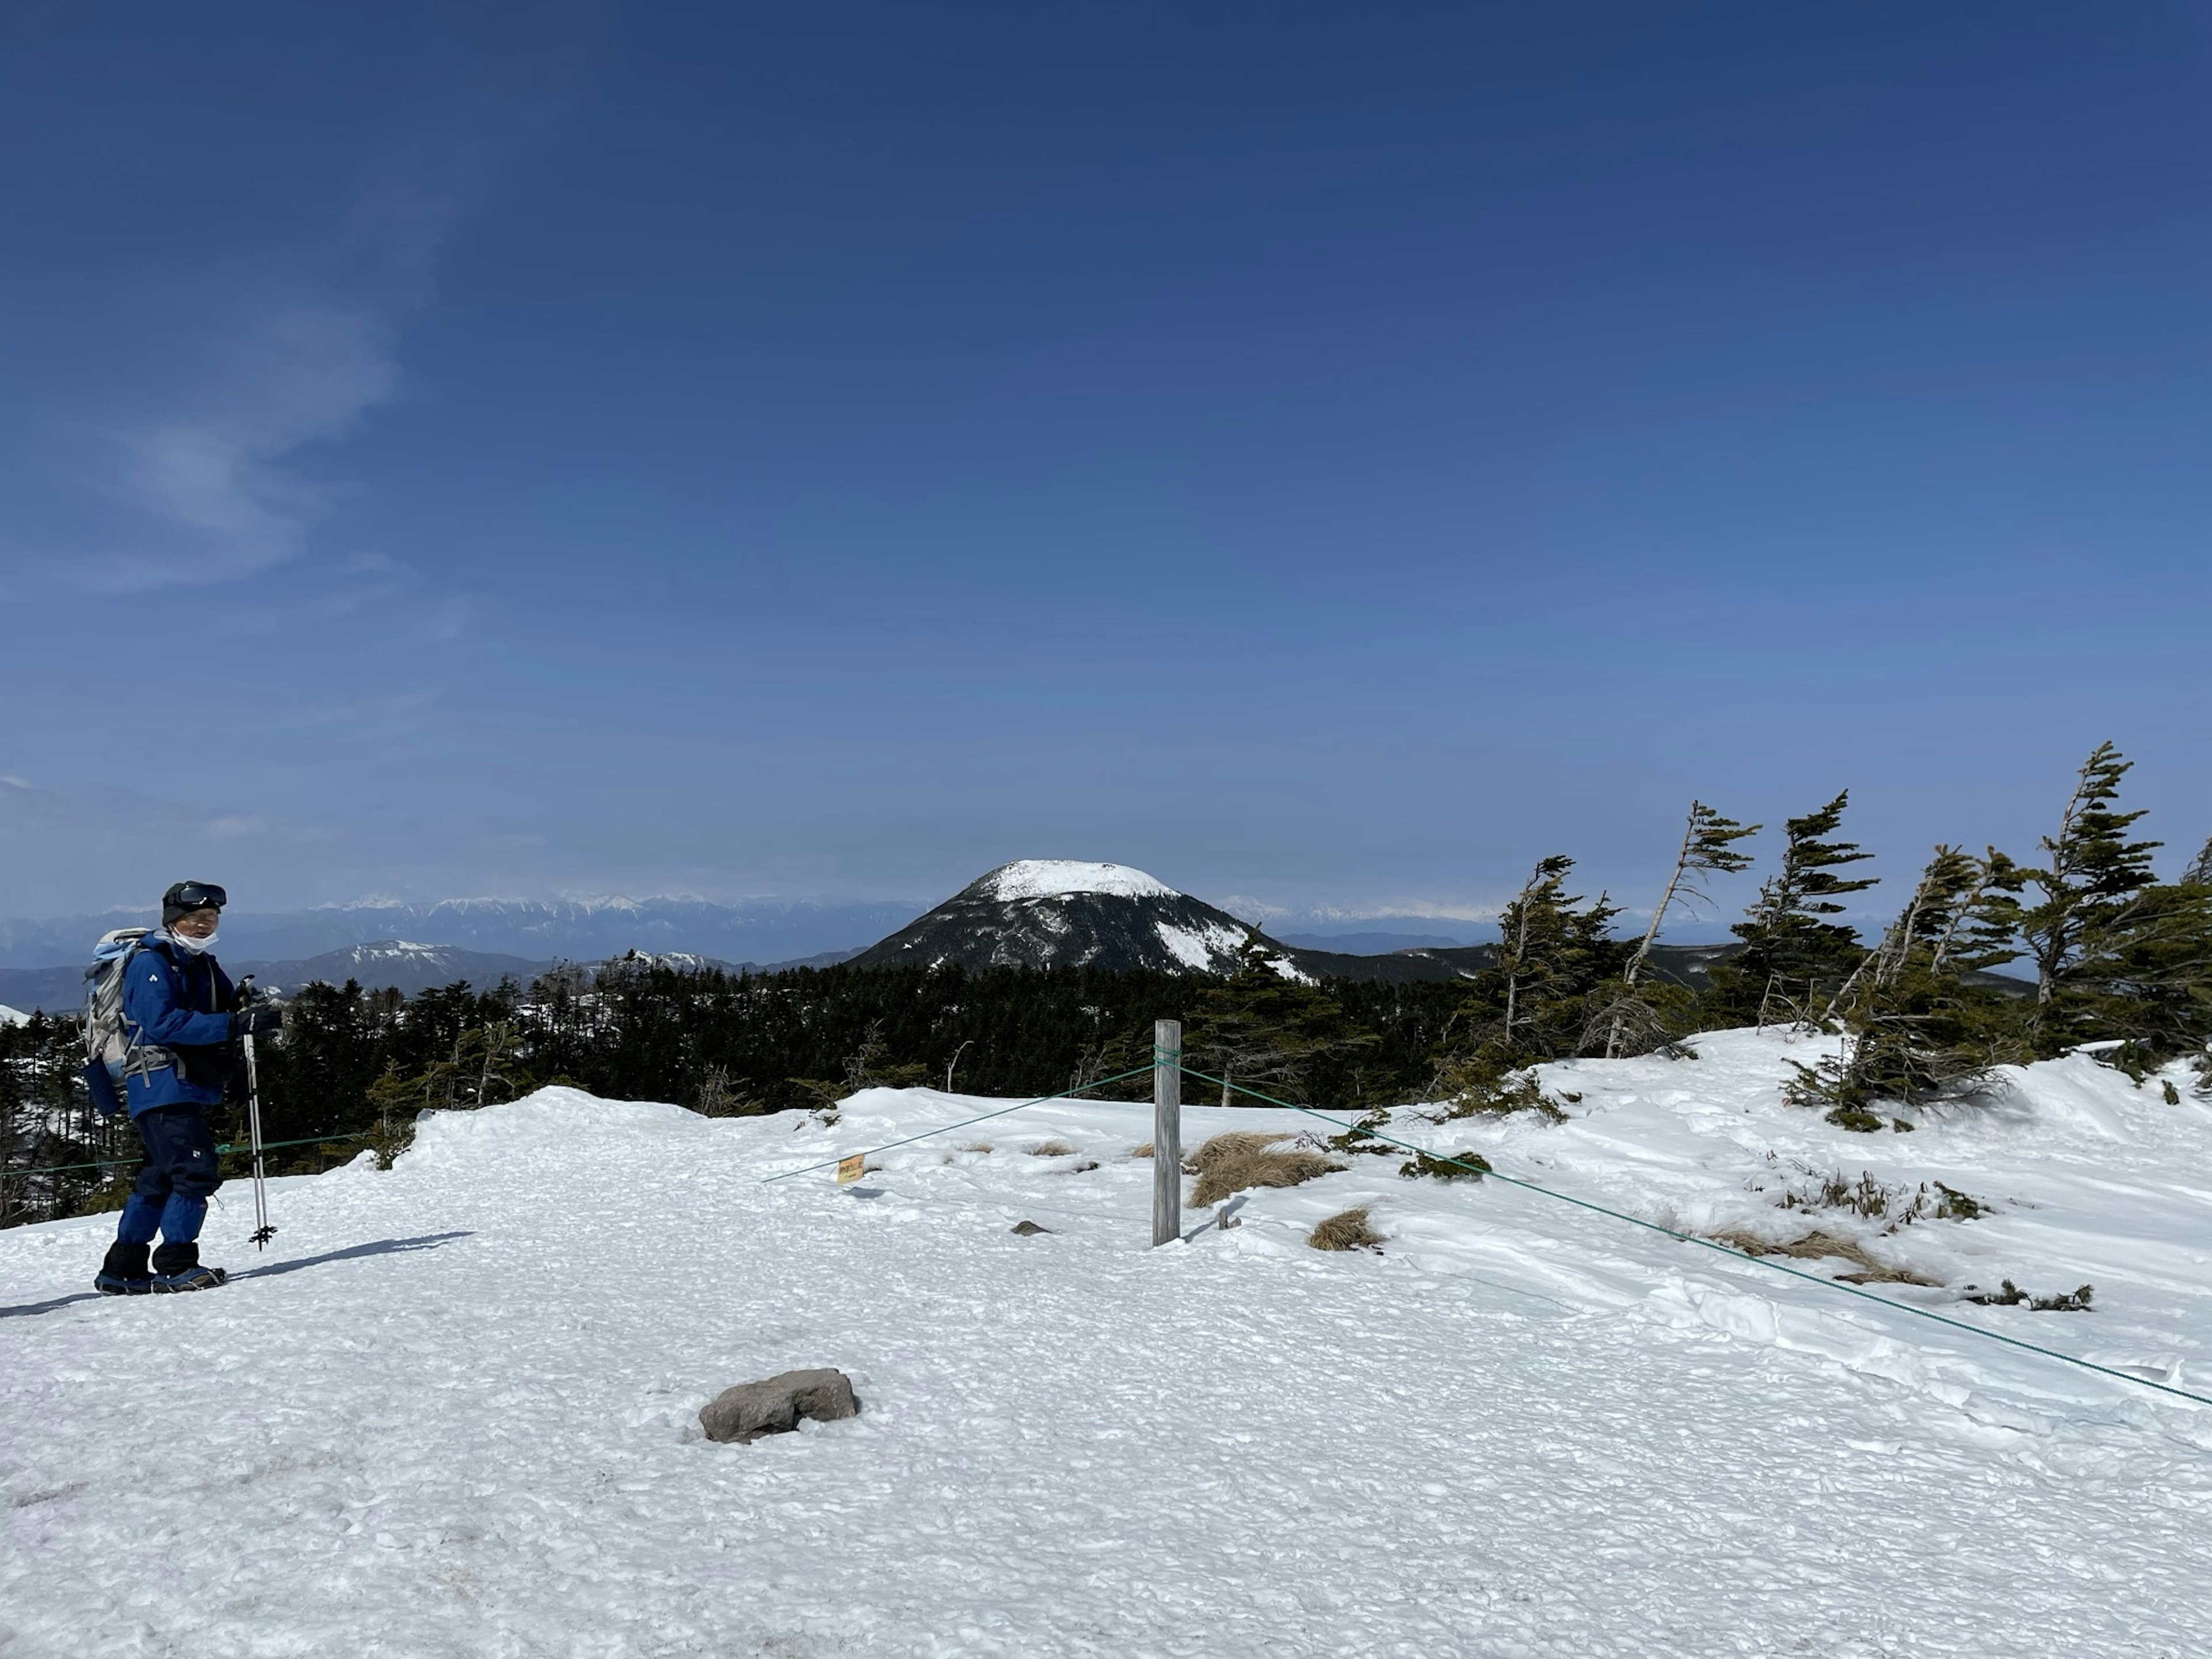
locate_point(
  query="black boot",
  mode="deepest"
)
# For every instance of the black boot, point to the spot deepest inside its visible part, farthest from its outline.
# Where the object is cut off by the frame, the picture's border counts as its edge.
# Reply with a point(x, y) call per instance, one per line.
point(177, 1267)
point(125, 1272)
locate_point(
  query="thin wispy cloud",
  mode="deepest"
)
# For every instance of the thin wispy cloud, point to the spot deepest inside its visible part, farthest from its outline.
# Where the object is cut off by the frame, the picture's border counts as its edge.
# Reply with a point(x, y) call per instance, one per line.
point(223, 485)
point(230, 476)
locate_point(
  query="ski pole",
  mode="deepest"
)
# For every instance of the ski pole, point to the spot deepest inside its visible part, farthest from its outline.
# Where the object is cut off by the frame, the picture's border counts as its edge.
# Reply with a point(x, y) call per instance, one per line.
point(263, 1232)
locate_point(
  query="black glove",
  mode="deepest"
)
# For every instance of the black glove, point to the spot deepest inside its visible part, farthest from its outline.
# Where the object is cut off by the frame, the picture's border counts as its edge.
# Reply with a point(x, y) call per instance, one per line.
point(263, 1021)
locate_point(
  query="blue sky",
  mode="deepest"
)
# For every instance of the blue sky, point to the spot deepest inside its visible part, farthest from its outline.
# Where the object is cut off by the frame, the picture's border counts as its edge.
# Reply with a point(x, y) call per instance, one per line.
point(1328, 456)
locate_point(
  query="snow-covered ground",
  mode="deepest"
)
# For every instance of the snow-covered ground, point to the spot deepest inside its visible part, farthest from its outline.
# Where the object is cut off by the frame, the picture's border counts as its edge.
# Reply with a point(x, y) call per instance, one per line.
point(13, 1017)
point(452, 1411)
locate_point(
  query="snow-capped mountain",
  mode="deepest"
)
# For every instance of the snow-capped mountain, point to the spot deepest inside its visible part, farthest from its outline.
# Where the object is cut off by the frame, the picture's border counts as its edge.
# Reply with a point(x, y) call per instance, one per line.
point(594, 929)
point(1064, 913)
point(394, 965)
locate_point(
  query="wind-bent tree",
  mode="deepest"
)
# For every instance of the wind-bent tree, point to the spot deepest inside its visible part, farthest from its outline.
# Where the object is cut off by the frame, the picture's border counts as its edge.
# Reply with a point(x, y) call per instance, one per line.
point(1916, 1028)
point(1787, 941)
point(1708, 849)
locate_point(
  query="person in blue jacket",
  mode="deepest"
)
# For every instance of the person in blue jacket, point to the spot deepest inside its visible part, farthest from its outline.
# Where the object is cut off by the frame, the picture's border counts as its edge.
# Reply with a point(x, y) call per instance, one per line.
point(181, 1011)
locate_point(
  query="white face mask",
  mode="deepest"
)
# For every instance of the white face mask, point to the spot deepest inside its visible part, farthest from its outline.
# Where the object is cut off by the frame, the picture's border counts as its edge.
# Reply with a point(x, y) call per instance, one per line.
point(194, 946)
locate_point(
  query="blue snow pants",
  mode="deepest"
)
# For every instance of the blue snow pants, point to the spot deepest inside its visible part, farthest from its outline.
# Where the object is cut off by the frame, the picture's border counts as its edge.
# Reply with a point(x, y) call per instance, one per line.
point(181, 1169)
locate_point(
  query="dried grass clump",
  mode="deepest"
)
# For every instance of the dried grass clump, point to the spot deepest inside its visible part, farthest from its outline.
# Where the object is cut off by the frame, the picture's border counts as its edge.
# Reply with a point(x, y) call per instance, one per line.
point(1817, 1246)
point(979, 1146)
point(1347, 1230)
point(1053, 1148)
point(1237, 1143)
point(1244, 1157)
point(1145, 1151)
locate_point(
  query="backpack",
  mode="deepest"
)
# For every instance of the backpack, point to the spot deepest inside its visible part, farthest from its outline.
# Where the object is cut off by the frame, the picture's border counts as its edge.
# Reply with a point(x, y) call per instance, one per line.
point(111, 1050)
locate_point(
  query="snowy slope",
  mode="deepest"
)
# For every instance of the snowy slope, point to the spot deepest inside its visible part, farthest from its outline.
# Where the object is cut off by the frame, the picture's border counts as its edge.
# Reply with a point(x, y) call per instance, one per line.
point(13, 1017)
point(454, 1412)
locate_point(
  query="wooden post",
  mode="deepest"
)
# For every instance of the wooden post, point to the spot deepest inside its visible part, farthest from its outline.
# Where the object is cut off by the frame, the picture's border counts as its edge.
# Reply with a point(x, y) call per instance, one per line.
point(1167, 1131)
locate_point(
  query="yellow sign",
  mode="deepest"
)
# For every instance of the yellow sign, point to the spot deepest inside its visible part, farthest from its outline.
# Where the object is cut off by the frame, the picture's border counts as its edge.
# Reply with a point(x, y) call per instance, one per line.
point(850, 1169)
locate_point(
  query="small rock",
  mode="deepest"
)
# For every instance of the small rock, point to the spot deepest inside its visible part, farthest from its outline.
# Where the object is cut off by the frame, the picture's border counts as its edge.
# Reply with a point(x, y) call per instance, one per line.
point(1027, 1229)
point(774, 1407)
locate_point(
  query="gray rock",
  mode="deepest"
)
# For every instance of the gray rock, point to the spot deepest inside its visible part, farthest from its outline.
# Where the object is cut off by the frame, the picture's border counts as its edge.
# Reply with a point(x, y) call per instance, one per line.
point(774, 1407)
point(1027, 1229)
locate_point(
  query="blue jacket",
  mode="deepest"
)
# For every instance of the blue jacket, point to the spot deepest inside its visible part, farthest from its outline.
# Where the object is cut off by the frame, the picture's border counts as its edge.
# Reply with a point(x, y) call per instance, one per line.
point(180, 1002)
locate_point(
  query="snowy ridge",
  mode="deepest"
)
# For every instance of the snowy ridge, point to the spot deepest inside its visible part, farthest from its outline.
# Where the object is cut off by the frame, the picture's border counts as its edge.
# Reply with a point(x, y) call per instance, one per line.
point(1030, 879)
point(13, 1017)
point(454, 1412)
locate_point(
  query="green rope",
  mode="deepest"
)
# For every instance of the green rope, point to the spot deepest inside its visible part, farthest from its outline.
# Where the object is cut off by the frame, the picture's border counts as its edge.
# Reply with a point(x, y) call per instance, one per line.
point(1723, 1249)
point(226, 1147)
point(1081, 1088)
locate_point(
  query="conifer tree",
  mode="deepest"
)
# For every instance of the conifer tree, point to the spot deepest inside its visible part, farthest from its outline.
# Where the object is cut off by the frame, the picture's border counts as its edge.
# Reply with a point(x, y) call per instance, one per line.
point(2103, 932)
point(1535, 1001)
point(1915, 1027)
point(1265, 1030)
point(1550, 956)
point(1708, 849)
point(1791, 952)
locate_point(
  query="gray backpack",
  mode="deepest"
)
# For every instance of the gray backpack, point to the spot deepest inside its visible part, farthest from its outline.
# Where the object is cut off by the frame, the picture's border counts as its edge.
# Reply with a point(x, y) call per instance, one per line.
point(113, 1051)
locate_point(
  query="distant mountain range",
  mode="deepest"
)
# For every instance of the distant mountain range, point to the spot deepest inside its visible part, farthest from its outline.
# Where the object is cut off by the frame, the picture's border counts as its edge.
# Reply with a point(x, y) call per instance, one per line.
point(382, 964)
point(1035, 913)
point(582, 930)
point(1373, 944)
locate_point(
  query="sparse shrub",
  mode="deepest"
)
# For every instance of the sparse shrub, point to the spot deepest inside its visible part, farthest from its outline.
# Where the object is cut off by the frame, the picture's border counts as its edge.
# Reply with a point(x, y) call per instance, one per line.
point(1856, 1119)
point(1361, 1136)
point(1230, 1163)
point(1347, 1230)
point(1866, 1196)
point(1472, 1087)
point(1955, 1206)
point(2074, 1301)
point(1460, 1166)
point(1900, 1205)
point(1053, 1148)
point(390, 1138)
point(716, 1096)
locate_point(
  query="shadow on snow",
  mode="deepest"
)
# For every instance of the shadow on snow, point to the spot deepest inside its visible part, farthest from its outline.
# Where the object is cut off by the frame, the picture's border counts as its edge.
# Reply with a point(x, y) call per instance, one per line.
point(381, 1247)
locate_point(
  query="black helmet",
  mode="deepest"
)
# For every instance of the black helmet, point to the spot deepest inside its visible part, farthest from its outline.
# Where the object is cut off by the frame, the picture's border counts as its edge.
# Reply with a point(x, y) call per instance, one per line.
point(187, 896)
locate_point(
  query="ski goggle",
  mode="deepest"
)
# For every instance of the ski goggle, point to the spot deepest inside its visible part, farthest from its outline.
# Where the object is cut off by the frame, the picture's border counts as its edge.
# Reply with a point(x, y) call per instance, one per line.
point(195, 896)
